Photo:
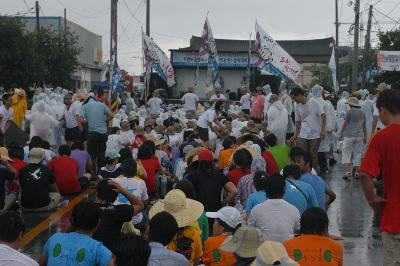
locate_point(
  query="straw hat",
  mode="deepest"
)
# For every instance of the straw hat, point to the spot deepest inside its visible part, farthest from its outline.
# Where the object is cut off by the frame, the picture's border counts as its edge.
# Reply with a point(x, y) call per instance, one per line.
point(160, 129)
point(148, 123)
point(273, 253)
point(225, 133)
point(125, 126)
point(252, 151)
point(170, 131)
point(193, 152)
point(244, 130)
point(155, 140)
point(4, 154)
point(178, 128)
point(244, 242)
point(353, 101)
point(185, 211)
point(36, 155)
point(139, 131)
point(251, 125)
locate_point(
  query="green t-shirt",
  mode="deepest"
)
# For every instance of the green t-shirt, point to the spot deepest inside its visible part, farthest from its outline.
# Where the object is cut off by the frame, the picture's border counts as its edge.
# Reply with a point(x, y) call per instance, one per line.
point(281, 155)
point(203, 224)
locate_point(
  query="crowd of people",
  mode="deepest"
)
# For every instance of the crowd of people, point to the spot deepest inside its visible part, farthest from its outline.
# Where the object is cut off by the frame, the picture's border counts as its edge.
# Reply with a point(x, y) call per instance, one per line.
point(215, 183)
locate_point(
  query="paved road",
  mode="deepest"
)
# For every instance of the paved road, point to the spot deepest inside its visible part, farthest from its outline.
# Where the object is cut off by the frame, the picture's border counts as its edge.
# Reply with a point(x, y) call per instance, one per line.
point(351, 218)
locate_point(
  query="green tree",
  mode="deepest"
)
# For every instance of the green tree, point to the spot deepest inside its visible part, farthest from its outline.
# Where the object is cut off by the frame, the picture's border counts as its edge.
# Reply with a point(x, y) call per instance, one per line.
point(389, 41)
point(38, 57)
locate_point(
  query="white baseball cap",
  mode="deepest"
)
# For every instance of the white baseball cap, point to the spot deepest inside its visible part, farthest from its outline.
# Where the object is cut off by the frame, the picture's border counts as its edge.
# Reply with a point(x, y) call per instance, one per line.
point(229, 215)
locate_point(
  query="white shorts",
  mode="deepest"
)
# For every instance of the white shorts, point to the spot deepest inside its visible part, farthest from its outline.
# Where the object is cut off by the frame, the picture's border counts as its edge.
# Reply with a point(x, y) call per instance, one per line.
point(352, 147)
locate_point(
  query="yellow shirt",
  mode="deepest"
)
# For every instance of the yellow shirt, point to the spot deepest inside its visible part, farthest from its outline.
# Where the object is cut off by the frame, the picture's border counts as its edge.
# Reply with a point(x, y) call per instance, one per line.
point(188, 234)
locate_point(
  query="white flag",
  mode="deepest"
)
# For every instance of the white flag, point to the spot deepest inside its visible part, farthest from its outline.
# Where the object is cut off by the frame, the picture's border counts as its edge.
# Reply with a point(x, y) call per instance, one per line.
point(332, 67)
point(157, 59)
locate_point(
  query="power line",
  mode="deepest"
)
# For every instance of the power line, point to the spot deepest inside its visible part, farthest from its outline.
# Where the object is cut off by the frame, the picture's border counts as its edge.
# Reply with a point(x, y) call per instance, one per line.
point(133, 14)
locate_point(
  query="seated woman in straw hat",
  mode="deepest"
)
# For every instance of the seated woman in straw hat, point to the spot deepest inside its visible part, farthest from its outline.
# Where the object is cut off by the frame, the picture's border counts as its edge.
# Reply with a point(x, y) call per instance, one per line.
point(186, 213)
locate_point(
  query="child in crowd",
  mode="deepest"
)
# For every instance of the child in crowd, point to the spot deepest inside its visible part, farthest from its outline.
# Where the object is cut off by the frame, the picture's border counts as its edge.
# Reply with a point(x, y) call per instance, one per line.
point(112, 169)
point(259, 196)
point(226, 154)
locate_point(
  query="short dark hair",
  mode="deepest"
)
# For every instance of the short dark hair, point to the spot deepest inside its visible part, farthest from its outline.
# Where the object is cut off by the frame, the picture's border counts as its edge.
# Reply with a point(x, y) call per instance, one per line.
point(260, 143)
point(150, 144)
point(106, 191)
point(297, 91)
point(226, 227)
point(271, 140)
point(129, 168)
point(163, 228)
point(114, 130)
point(16, 151)
point(219, 105)
point(292, 170)
point(389, 99)
point(307, 158)
point(275, 90)
point(144, 152)
point(125, 153)
point(314, 221)
point(6, 96)
point(131, 249)
point(45, 145)
point(64, 150)
point(275, 187)
point(77, 145)
point(228, 142)
point(35, 142)
point(243, 159)
point(295, 152)
point(260, 180)
point(11, 226)
point(85, 215)
point(187, 187)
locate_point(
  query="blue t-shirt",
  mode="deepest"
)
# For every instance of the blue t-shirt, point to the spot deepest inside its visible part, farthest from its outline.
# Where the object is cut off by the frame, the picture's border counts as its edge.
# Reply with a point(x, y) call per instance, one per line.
point(297, 199)
point(95, 114)
point(319, 185)
point(255, 198)
point(76, 249)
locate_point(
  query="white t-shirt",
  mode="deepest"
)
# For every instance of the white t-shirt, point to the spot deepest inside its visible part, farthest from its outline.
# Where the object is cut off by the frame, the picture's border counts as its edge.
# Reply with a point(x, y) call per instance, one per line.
point(114, 142)
point(190, 100)
point(245, 102)
point(376, 113)
point(6, 115)
point(309, 114)
point(155, 105)
point(126, 136)
point(137, 187)
point(215, 97)
point(11, 257)
point(206, 118)
point(276, 219)
point(71, 114)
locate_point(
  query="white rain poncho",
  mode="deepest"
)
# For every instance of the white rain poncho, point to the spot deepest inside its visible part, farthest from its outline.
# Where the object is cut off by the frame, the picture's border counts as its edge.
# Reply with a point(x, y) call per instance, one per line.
point(130, 104)
point(41, 122)
point(368, 109)
point(268, 94)
point(342, 105)
point(278, 118)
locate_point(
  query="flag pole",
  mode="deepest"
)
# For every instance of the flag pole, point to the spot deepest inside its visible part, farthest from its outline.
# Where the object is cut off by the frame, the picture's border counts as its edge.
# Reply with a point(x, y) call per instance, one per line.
point(145, 71)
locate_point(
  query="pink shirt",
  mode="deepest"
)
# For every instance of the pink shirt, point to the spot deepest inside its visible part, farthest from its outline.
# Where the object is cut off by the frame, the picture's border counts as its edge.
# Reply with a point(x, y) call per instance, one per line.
point(257, 106)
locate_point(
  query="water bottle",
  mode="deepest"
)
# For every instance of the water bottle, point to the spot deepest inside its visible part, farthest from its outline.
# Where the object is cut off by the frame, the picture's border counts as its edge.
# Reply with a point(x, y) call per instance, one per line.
point(239, 206)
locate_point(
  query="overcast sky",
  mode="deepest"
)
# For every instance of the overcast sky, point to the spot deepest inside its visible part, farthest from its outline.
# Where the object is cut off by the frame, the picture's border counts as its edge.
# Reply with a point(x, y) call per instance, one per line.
point(173, 22)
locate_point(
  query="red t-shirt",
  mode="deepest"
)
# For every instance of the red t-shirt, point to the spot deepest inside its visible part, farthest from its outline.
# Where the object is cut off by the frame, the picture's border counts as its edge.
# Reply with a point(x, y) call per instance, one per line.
point(237, 173)
point(272, 166)
point(66, 172)
point(138, 141)
point(151, 166)
point(17, 164)
point(382, 159)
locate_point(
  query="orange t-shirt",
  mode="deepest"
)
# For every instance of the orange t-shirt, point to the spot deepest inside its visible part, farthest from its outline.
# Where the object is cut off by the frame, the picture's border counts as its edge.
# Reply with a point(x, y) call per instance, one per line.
point(212, 255)
point(311, 250)
point(225, 156)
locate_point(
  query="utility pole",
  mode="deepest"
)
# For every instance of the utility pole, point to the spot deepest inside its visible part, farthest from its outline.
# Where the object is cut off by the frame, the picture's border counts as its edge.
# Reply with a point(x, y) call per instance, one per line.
point(337, 44)
point(113, 54)
point(148, 17)
point(367, 47)
point(65, 20)
point(37, 16)
point(355, 49)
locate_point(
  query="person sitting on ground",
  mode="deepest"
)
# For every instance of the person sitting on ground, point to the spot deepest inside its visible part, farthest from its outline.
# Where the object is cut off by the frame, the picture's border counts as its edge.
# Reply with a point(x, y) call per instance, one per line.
point(271, 164)
point(66, 171)
point(273, 253)
point(314, 243)
point(226, 221)
point(243, 243)
point(36, 180)
point(187, 188)
point(131, 249)
point(78, 153)
point(12, 229)
point(7, 176)
point(225, 155)
point(48, 153)
point(133, 184)
point(242, 160)
point(114, 141)
point(152, 167)
point(17, 157)
point(321, 188)
point(255, 198)
point(162, 229)
point(78, 247)
point(298, 193)
point(279, 152)
point(114, 216)
point(277, 219)
point(112, 169)
point(186, 212)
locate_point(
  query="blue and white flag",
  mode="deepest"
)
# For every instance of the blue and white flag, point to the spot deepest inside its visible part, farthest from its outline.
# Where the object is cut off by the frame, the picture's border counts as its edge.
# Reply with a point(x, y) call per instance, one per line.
point(272, 58)
point(208, 47)
point(115, 73)
point(155, 58)
point(332, 67)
